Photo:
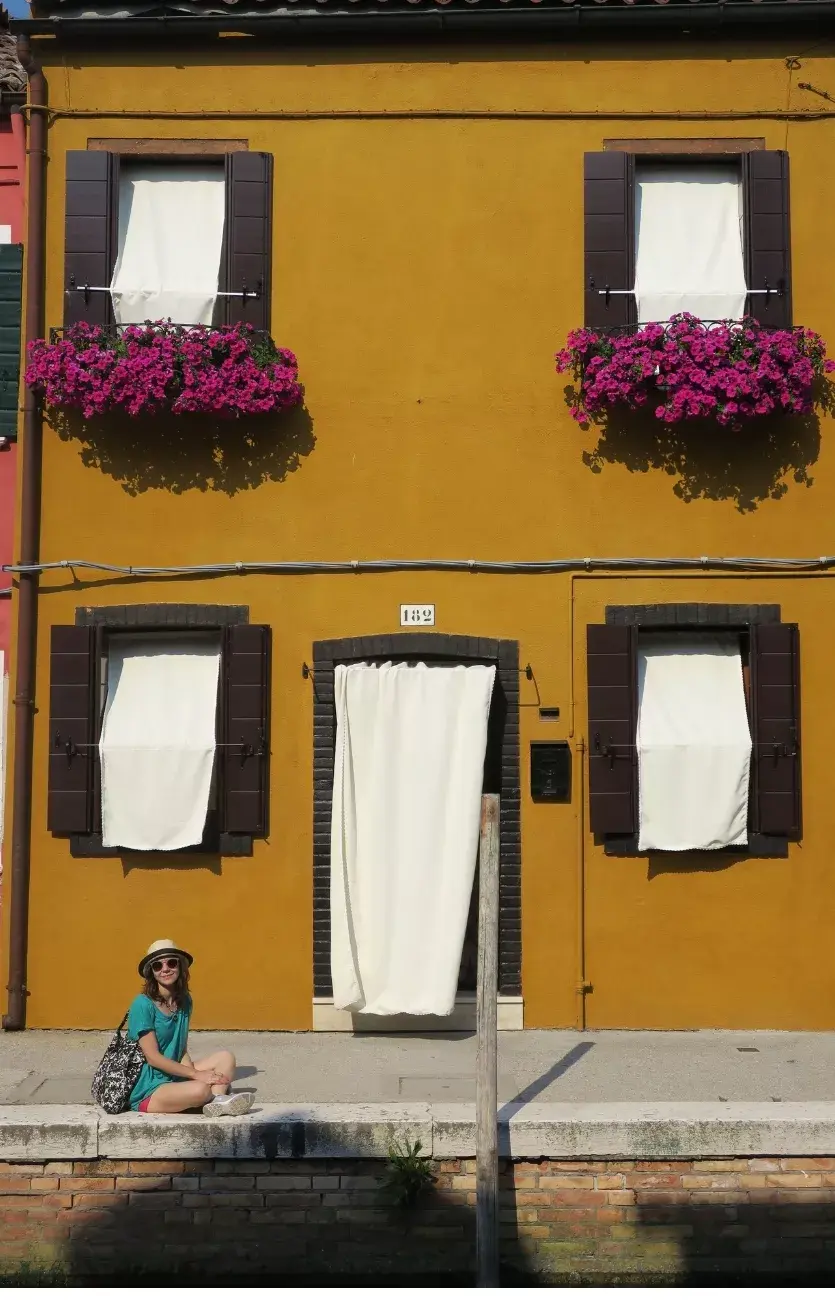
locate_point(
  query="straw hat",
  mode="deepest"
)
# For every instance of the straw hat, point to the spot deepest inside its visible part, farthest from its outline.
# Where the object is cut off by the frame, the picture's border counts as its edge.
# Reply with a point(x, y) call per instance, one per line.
point(163, 948)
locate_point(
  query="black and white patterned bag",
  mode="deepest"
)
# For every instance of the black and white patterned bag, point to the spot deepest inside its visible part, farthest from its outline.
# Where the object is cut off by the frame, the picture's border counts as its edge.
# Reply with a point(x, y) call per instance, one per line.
point(117, 1073)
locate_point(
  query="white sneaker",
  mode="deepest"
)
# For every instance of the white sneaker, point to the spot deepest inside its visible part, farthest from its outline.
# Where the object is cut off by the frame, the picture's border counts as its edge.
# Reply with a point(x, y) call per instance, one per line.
point(230, 1103)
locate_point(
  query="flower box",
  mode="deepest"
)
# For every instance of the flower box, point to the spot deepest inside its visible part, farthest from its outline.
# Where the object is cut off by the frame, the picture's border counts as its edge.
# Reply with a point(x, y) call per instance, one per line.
point(685, 369)
point(145, 369)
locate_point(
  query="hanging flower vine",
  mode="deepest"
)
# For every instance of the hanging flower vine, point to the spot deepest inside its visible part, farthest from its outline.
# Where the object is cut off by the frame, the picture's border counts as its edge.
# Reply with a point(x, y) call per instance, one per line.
point(144, 369)
point(688, 369)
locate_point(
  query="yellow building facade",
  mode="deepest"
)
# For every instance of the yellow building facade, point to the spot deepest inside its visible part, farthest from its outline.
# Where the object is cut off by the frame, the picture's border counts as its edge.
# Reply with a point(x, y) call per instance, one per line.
point(427, 263)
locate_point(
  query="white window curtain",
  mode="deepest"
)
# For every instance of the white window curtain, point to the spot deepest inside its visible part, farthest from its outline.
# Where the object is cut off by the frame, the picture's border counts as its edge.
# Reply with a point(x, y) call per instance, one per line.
point(688, 233)
point(170, 240)
point(408, 772)
point(694, 744)
point(158, 741)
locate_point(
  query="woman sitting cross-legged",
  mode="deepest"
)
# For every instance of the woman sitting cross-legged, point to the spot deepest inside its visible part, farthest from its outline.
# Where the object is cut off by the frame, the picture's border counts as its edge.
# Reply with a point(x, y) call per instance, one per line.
point(170, 1082)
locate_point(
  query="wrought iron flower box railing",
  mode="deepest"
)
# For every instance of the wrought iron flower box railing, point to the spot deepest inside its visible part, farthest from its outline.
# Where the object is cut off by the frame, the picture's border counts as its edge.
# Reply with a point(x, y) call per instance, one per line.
point(157, 366)
point(687, 368)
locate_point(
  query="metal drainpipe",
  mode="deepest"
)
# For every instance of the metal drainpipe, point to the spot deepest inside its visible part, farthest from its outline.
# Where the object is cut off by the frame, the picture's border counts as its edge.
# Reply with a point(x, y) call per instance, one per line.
point(30, 510)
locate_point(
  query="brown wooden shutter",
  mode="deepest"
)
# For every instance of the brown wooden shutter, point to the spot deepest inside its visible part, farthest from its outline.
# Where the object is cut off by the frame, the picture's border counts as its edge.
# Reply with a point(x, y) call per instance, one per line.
point(91, 234)
point(775, 690)
point(609, 189)
point(249, 221)
point(768, 236)
point(246, 738)
point(72, 725)
point(613, 785)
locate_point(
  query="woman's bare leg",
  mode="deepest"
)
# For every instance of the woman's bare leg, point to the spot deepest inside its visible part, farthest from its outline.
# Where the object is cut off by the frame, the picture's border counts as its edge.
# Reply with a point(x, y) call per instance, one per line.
point(224, 1063)
point(174, 1098)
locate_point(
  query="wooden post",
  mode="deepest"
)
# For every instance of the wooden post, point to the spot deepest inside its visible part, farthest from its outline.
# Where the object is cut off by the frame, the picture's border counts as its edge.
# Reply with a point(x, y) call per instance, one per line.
point(487, 1145)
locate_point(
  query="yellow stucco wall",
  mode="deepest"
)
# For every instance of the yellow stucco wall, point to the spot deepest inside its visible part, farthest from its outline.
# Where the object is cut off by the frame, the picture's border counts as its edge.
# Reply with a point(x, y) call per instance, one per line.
point(425, 271)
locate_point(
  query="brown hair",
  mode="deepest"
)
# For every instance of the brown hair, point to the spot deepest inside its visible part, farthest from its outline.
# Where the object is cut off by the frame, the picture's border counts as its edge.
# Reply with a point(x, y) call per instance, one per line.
point(179, 991)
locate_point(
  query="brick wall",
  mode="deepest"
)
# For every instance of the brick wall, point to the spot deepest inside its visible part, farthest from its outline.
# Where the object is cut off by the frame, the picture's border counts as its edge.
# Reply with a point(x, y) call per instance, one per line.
point(597, 1220)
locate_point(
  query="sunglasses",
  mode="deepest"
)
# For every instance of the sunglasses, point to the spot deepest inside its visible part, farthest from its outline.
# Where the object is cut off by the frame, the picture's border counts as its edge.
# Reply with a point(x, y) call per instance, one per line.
point(165, 963)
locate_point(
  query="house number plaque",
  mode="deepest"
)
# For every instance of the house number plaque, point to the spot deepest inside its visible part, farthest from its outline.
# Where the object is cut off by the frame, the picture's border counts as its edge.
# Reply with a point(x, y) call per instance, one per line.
point(417, 615)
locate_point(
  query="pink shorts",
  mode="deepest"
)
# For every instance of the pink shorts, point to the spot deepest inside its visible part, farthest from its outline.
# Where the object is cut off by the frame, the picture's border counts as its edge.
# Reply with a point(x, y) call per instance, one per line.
point(144, 1103)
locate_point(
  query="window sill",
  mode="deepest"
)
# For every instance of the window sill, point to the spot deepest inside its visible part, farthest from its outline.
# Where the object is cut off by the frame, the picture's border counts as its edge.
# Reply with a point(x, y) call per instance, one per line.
point(758, 846)
point(227, 846)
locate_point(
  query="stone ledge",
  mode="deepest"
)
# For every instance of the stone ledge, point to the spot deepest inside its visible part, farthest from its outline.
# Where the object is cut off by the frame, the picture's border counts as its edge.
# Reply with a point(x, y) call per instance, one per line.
point(627, 1131)
point(48, 1133)
point(268, 1133)
point(643, 1131)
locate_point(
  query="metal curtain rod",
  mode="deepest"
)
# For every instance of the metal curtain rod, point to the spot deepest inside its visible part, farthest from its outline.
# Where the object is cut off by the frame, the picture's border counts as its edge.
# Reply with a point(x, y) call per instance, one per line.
point(607, 292)
point(97, 288)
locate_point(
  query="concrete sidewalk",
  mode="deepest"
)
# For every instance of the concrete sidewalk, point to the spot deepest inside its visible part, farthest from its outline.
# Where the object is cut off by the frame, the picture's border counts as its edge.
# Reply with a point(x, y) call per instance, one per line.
point(546, 1066)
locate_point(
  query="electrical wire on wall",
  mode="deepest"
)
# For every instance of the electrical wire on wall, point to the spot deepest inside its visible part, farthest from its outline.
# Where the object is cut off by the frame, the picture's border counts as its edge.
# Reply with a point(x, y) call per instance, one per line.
point(733, 563)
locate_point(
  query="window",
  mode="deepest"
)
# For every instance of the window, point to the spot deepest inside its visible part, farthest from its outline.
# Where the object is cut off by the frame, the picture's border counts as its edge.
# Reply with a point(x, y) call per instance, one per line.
point(688, 241)
point(665, 234)
point(190, 236)
point(157, 739)
point(116, 678)
point(764, 678)
point(169, 243)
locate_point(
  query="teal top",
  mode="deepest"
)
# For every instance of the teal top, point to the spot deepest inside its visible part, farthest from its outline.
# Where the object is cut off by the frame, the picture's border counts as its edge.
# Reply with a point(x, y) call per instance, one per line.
point(172, 1038)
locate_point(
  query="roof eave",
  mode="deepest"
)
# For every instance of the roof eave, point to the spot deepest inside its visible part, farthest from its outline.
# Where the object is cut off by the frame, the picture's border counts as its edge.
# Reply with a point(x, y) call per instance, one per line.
point(334, 22)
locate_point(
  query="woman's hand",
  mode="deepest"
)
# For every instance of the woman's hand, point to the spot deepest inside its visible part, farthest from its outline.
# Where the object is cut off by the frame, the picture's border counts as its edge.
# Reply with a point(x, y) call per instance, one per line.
point(211, 1077)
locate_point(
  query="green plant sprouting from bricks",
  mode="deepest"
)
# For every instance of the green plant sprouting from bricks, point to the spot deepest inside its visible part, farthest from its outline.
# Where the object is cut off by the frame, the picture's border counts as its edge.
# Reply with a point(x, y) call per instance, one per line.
point(409, 1174)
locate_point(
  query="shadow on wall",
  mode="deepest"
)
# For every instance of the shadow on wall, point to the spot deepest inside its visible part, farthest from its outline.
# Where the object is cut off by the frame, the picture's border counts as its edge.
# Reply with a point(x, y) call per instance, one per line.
point(309, 1222)
point(179, 453)
point(709, 462)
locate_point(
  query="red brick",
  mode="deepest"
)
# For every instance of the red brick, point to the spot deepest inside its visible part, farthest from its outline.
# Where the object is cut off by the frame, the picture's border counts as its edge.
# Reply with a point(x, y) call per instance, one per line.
point(653, 1180)
point(56, 1201)
point(43, 1184)
point(179, 1216)
point(143, 1168)
point(529, 1198)
point(8, 1186)
point(98, 1202)
point(552, 1181)
point(157, 1184)
point(305, 1200)
point(98, 1168)
point(720, 1166)
point(153, 1200)
point(233, 1183)
point(710, 1182)
point(792, 1163)
point(237, 1200)
point(581, 1197)
point(793, 1180)
point(87, 1184)
point(609, 1182)
point(620, 1198)
point(279, 1183)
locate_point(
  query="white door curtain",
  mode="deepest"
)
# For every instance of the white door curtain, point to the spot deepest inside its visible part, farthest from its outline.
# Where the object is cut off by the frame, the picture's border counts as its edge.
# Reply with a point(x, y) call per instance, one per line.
point(170, 240)
point(158, 741)
point(694, 743)
point(408, 771)
point(688, 232)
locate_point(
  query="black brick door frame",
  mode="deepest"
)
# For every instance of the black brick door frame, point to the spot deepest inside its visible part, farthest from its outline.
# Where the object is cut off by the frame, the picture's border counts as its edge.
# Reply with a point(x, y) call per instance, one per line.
point(455, 649)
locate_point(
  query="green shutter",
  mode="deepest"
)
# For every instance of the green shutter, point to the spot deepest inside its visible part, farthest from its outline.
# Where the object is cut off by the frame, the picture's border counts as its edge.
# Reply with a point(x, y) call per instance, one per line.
point(11, 290)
